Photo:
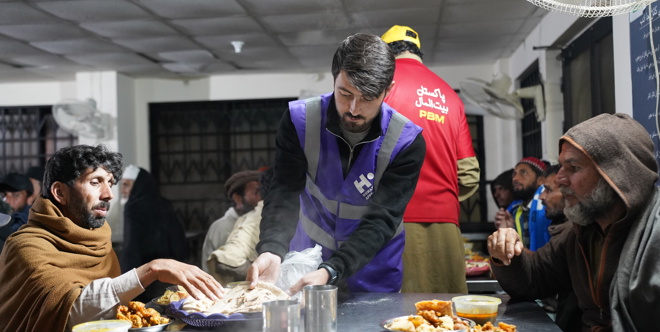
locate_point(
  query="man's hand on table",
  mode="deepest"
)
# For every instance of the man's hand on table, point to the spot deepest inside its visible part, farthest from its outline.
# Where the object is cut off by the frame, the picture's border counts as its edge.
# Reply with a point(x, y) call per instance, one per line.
point(504, 244)
point(197, 282)
point(265, 268)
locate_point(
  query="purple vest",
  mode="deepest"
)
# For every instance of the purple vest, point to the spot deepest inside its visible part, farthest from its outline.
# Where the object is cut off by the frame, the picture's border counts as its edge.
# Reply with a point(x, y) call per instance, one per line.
point(331, 207)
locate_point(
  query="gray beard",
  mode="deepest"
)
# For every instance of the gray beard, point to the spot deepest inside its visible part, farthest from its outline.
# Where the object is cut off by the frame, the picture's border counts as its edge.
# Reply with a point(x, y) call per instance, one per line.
point(596, 204)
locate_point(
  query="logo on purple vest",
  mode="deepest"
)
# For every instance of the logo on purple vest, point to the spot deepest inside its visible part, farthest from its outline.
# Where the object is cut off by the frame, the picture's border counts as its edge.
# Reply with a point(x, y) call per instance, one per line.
point(364, 185)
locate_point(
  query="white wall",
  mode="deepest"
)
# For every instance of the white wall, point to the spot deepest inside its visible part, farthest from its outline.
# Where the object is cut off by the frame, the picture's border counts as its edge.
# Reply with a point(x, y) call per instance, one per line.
point(30, 94)
point(154, 91)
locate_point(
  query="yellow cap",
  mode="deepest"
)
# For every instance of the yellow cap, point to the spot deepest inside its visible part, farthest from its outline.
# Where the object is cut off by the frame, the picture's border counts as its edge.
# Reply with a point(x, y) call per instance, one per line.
point(400, 32)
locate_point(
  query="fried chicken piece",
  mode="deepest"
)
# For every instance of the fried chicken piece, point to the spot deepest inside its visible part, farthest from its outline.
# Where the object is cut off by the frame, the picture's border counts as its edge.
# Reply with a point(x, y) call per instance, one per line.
point(136, 321)
point(488, 327)
point(430, 316)
point(507, 327)
point(443, 308)
point(122, 309)
point(137, 308)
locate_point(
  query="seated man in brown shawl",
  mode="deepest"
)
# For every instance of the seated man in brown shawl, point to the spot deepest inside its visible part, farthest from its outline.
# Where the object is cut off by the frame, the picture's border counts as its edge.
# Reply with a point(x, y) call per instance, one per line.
point(610, 254)
point(59, 269)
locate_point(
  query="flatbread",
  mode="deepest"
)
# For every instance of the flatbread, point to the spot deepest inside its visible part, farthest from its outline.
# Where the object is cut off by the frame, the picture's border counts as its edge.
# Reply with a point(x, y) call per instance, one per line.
point(238, 299)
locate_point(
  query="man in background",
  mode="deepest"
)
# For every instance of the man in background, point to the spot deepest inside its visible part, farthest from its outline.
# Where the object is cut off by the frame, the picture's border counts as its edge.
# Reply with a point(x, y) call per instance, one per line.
point(231, 261)
point(59, 269)
point(17, 189)
point(552, 199)
point(502, 189)
point(527, 214)
point(450, 172)
point(242, 188)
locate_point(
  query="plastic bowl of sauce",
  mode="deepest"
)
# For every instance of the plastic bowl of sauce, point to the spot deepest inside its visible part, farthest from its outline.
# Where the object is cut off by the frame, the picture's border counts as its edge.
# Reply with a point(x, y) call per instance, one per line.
point(103, 326)
point(480, 309)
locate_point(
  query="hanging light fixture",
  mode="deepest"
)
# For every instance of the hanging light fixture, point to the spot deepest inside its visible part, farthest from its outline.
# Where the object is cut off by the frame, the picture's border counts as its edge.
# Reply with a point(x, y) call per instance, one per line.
point(238, 45)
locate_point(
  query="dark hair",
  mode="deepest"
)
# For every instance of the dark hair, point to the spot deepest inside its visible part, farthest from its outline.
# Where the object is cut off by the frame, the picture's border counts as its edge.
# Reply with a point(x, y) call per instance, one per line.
point(368, 63)
point(67, 164)
point(552, 169)
point(505, 180)
point(401, 46)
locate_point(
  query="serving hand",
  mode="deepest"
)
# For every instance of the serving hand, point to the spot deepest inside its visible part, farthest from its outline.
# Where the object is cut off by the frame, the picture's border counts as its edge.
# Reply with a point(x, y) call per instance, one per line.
point(198, 283)
point(318, 277)
point(265, 268)
point(504, 244)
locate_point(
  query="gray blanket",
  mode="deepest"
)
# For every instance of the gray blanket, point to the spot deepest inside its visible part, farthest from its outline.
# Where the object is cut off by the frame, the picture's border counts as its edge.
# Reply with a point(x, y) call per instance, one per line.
point(635, 290)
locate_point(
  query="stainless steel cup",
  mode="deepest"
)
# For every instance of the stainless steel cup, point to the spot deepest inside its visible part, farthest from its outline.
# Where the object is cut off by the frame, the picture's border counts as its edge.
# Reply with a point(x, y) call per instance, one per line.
point(281, 316)
point(320, 308)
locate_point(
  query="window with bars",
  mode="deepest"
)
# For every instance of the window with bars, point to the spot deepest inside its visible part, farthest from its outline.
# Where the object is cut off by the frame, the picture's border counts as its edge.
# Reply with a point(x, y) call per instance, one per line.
point(532, 139)
point(197, 146)
point(28, 137)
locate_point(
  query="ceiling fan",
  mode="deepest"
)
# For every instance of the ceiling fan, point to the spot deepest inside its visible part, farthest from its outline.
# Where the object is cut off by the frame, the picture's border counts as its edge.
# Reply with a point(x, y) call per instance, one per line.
point(495, 98)
point(82, 118)
point(592, 8)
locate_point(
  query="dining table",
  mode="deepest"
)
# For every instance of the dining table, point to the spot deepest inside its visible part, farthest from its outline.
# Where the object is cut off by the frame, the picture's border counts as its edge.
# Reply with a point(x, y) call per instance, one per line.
point(367, 311)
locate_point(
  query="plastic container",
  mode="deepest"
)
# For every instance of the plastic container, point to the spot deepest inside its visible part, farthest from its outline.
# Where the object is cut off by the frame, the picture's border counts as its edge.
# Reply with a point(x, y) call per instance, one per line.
point(103, 326)
point(480, 309)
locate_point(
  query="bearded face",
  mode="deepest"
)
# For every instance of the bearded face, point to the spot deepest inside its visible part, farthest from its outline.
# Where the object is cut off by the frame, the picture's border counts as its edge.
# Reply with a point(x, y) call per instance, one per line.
point(85, 214)
point(525, 193)
point(525, 182)
point(592, 206)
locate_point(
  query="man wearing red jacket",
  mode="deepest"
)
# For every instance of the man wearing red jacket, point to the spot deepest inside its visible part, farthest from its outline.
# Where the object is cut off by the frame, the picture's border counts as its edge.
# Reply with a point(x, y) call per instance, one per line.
point(434, 254)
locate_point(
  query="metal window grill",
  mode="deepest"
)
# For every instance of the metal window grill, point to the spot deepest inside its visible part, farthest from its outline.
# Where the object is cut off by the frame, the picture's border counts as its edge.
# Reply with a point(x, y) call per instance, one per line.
point(196, 146)
point(28, 137)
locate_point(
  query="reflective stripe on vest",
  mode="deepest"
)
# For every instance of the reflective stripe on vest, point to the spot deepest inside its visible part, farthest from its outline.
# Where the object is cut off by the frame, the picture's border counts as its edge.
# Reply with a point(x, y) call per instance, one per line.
point(312, 148)
point(321, 237)
point(312, 130)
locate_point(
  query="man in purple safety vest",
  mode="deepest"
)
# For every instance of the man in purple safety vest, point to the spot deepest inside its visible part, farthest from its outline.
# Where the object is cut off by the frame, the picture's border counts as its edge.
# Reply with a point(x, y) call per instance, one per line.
point(345, 168)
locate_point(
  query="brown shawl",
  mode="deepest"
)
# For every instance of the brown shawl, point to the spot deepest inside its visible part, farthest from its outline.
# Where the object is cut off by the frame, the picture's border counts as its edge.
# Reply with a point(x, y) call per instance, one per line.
point(45, 265)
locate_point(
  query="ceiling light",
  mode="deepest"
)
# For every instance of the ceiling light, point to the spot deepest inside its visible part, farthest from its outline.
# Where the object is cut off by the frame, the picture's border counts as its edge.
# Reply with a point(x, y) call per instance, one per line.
point(238, 45)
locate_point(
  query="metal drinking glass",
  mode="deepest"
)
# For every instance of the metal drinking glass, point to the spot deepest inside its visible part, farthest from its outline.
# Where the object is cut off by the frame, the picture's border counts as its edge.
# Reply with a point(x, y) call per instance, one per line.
point(320, 308)
point(281, 316)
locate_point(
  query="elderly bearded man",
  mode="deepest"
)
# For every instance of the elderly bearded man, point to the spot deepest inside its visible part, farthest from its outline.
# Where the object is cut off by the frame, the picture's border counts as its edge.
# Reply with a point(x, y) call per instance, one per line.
point(610, 255)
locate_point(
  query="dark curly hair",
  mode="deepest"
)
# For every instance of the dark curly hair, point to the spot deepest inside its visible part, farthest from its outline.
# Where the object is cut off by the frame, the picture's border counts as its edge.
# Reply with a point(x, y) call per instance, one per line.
point(401, 46)
point(67, 164)
point(505, 180)
point(368, 63)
